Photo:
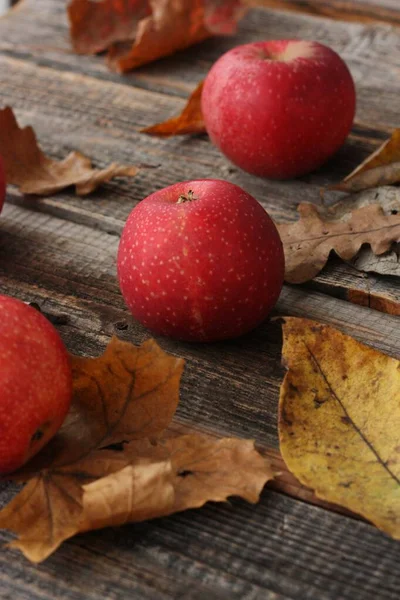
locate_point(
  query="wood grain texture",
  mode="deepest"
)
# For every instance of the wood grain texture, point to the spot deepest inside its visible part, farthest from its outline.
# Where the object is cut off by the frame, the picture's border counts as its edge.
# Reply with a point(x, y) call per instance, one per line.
point(60, 253)
point(79, 116)
point(360, 11)
point(279, 549)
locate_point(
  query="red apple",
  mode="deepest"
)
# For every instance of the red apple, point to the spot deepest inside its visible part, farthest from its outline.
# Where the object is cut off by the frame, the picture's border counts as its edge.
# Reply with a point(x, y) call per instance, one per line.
point(35, 382)
point(200, 261)
point(2, 184)
point(279, 109)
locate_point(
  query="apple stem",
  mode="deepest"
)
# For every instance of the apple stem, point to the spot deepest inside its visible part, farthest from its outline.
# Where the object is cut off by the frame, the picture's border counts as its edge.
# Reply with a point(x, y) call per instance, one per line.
point(186, 198)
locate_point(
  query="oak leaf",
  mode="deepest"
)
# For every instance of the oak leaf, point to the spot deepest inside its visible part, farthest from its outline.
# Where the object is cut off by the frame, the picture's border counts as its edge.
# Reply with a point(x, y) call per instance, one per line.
point(127, 393)
point(190, 121)
point(27, 167)
point(382, 167)
point(133, 41)
point(339, 421)
point(309, 241)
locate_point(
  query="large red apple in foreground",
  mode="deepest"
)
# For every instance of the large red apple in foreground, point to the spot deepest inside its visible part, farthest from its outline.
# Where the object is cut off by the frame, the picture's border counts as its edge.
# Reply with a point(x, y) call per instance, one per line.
point(279, 109)
point(2, 184)
point(35, 382)
point(200, 261)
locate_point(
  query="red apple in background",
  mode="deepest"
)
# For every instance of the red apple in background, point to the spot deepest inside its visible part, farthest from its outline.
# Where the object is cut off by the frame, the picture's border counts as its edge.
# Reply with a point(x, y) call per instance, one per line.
point(2, 184)
point(279, 109)
point(200, 261)
point(35, 382)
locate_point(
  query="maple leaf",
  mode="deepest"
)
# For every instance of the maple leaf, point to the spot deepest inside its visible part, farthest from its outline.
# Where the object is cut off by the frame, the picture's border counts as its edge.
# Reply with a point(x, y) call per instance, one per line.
point(339, 421)
point(27, 167)
point(309, 241)
point(133, 41)
point(382, 167)
point(127, 393)
point(190, 121)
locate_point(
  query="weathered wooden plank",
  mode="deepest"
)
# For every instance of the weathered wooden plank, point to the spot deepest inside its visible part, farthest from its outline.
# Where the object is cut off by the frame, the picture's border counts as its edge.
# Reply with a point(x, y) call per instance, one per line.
point(80, 116)
point(279, 549)
point(344, 281)
point(360, 11)
point(38, 31)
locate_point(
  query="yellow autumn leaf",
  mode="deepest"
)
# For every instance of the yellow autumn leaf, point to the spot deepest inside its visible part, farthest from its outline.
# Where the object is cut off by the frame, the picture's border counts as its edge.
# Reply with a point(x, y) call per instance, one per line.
point(339, 421)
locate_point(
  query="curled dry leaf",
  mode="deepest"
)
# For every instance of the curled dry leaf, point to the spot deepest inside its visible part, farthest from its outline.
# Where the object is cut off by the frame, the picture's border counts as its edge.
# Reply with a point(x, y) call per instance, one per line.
point(309, 241)
point(127, 393)
point(190, 121)
point(95, 26)
point(385, 264)
point(33, 172)
point(172, 475)
point(365, 260)
point(382, 167)
point(339, 421)
point(133, 41)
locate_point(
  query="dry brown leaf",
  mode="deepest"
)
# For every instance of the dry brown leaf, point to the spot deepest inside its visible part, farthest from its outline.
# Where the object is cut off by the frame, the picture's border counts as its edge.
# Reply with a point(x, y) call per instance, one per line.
point(365, 260)
point(172, 25)
point(95, 26)
point(75, 484)
point(27, 167)
point(127, 393)
point(190, 121)
point(173, 475)
point(339, 421)
point(382, 167)
point(144, 481)
point(309, 241)
point(48, 509)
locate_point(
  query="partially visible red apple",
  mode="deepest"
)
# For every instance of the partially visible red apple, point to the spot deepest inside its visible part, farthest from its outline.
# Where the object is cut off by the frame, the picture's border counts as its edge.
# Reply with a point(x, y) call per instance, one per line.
point(200, 261)
point(35, 382)
point(2, 184)
point(279, 109)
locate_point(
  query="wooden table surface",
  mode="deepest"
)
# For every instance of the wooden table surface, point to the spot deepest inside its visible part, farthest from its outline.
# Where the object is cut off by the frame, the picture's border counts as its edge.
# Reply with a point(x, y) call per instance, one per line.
point(60, 252)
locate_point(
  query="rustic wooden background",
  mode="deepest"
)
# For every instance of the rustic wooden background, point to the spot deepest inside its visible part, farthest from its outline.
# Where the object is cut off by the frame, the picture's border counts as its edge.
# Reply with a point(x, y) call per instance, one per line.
point(60, 252)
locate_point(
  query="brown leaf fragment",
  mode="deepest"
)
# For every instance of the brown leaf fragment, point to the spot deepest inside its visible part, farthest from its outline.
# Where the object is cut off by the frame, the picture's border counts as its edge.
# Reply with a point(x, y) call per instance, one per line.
point(173, 475)
point(49, 508)
point(27, 167)
point(382, 167)
point(127, 393)
point(309, 241)
point(339, 421)
point(134, 39)
point(144, 481)
point(190, 121)
point(94, 25)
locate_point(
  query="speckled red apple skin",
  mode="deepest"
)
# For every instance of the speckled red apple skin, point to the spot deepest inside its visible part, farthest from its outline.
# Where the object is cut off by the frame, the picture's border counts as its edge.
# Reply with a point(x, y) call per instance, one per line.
point(2, 184)
point(280, 117)
point(203, 270)
point(35, 382)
